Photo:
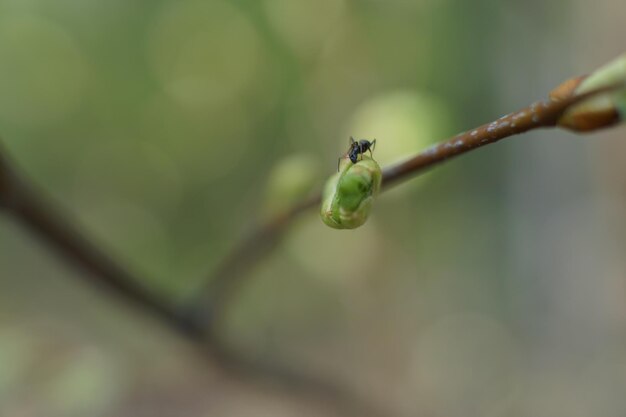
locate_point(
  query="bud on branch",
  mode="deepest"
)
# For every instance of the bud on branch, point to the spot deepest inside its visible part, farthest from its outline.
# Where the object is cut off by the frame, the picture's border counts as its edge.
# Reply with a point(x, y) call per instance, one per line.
point(603, 110)
point(348, 195)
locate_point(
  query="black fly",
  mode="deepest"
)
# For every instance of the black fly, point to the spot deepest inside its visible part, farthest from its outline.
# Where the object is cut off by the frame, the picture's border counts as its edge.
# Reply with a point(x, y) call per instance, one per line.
point(358, 147)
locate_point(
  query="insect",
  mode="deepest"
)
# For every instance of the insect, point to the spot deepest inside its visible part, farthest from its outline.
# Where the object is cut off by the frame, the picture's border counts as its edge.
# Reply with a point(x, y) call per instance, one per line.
point(358, 147)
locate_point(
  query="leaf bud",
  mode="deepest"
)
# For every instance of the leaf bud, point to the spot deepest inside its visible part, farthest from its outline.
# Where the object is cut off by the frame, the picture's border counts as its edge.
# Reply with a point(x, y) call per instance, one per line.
point(602, 110)
point(348, 195)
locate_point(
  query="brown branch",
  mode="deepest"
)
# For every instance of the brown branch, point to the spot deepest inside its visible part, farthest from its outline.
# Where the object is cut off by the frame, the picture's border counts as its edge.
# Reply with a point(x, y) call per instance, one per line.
point(543, 113)
point(38, 214)
point(211, 304)
point(252, 248)
point(200, 322)
point(539, 114)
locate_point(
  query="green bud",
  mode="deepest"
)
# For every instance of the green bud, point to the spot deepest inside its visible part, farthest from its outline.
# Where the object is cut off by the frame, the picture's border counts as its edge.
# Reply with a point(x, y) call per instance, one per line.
point(349, 194)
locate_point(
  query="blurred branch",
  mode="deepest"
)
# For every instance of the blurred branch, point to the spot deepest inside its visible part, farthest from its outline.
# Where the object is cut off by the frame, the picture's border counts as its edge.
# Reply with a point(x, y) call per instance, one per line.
point(28, 206)
point(40, 215)
point(200, 321)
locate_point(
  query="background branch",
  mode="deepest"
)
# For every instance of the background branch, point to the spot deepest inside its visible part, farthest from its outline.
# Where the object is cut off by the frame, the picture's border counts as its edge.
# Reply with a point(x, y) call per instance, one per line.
point(200, 321)
point(29, 207)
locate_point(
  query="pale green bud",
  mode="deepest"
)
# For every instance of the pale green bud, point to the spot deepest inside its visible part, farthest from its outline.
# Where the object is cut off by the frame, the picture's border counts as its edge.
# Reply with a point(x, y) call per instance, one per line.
point(349, 194)
point(602, 110)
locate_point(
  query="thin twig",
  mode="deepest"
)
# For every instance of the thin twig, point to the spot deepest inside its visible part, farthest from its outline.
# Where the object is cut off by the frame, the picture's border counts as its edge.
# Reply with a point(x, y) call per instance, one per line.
point(210, 305)
point(200, 321)
point(232, 271)
point(543, 113)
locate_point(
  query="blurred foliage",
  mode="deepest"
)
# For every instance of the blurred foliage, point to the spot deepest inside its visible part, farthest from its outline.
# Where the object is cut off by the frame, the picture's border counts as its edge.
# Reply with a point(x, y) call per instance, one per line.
point(156, 122)
point(168, 128)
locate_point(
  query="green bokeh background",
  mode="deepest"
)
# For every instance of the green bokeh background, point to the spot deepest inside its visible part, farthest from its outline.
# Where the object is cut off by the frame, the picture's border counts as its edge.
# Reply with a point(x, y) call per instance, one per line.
point(492, 286)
